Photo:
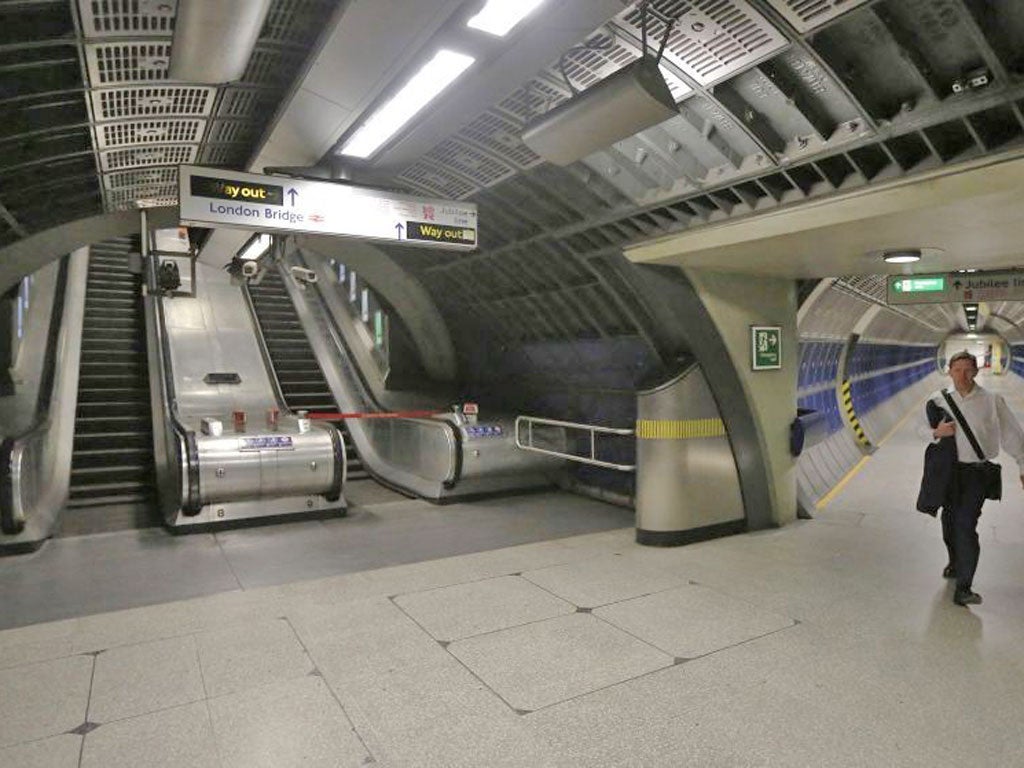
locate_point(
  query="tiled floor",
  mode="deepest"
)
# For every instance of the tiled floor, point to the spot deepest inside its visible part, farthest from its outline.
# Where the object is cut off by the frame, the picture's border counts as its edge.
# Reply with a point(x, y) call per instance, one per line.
point(830, 642)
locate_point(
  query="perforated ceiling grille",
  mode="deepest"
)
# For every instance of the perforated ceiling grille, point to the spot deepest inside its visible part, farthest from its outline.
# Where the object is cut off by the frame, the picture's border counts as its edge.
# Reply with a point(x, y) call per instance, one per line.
point(151, 101)
point(500, 135)
point(534, 100)
point(436, 181)
point(806, 15)
point(599, 57)
point(138, 157)
point(239, 103)
point(605, 54)
point(222, 154)
point(123, 63)
point(157, 194)
point(143, 178)
point(471, 162)
point(231, 131)
point(111, 135)
point(711, 39)
point(134, 18)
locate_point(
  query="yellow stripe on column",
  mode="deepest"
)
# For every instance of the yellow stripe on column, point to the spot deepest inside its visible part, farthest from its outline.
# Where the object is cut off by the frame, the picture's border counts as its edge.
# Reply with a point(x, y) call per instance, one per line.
point(679, 429)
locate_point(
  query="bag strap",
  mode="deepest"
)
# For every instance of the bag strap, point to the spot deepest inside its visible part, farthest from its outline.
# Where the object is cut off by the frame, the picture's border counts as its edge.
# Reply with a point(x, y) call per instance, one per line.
point(963, 423)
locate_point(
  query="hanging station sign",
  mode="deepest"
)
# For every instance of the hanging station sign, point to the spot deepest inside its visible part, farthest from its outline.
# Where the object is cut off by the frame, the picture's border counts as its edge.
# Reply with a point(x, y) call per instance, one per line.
point(212, 197)
point(956, 287)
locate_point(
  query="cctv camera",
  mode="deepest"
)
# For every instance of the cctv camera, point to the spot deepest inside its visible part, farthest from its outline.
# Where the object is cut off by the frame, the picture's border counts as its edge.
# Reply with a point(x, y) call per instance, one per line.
point(303, 275)
point(250, 268)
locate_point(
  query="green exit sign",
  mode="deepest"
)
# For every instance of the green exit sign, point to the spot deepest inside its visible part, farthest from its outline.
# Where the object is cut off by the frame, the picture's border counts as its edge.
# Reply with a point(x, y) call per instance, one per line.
point(919, 284)
point(765, 347)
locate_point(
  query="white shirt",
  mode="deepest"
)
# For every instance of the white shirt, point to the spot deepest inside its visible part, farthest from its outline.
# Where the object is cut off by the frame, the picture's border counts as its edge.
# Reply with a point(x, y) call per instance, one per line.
point(991, 421)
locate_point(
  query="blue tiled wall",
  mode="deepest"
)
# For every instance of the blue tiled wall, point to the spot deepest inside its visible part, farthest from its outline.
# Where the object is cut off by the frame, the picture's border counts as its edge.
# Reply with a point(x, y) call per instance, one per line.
point(819, 365)
point(1017, 359)
point(871, 392)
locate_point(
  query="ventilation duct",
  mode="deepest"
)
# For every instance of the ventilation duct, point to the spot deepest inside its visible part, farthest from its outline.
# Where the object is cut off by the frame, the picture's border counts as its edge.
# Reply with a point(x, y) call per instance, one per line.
point(213, 40)
point(623, 104)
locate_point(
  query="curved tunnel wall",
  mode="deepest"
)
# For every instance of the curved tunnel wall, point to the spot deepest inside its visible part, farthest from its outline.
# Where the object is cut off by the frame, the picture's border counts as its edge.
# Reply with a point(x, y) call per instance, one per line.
point(864, 366)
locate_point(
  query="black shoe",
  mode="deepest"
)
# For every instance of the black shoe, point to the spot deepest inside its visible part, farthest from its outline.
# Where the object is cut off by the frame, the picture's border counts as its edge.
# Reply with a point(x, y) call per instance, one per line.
point(949, 572)
point(966, 597)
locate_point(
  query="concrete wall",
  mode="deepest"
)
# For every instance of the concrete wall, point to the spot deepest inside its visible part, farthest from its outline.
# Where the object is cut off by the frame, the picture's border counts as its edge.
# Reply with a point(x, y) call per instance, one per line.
point(735, 302)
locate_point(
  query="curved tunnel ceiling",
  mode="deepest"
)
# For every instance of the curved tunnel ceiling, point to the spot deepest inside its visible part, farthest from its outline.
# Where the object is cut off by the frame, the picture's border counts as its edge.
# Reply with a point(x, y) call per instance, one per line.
point(780, 102)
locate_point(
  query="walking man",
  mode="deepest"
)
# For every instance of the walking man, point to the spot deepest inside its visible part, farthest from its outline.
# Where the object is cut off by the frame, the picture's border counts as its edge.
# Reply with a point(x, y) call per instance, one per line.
point(993, 425)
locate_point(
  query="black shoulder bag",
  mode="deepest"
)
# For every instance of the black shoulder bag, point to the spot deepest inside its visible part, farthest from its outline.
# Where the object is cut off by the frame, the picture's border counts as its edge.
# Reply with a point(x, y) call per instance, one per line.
point(993, 472)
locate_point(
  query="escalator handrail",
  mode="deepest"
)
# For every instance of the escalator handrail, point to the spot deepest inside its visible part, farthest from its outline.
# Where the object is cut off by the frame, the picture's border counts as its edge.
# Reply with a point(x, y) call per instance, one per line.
point(190, 504)
point(41, 418)
point(338, 338)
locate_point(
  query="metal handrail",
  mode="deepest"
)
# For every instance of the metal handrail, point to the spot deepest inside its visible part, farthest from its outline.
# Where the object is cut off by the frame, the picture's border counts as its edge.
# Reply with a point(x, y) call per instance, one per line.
point(594, 431)
point(184, 438)
point(12, 519)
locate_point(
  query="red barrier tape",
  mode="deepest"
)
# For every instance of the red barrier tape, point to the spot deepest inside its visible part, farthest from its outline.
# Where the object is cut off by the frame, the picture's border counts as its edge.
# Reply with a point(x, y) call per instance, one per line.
point(389, 415)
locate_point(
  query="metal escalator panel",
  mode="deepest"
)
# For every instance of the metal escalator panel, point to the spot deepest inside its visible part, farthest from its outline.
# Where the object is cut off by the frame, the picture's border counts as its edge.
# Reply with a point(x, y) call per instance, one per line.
point(112, 458)
point(298, 373)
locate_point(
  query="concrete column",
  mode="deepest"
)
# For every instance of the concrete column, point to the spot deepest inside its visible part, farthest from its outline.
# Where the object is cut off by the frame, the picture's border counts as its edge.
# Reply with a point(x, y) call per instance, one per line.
point(734, 302)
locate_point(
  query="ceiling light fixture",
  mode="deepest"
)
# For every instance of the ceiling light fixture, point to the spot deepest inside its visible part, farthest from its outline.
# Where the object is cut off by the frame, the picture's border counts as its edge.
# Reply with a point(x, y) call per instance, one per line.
point(905, 256)
point(213, 42)
point(432, 78)
point(255, 248)
point(499, 16)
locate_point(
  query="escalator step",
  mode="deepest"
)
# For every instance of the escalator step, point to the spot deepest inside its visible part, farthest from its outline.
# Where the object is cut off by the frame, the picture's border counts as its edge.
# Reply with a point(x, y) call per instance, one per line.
point(106, 425)
point(127, 473)
point(110, 457)
point(100, 440)
point(108, 492)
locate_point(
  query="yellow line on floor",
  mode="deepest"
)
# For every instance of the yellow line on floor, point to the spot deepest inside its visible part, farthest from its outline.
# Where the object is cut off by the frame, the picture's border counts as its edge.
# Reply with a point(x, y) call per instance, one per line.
point(824, 500)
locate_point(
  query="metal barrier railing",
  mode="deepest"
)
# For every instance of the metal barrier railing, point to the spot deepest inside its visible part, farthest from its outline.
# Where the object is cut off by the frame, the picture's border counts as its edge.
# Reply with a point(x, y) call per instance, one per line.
point(593, 431)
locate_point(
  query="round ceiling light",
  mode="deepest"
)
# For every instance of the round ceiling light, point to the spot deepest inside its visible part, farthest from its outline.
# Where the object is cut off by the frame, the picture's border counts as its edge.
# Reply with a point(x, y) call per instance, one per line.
point(907, 256)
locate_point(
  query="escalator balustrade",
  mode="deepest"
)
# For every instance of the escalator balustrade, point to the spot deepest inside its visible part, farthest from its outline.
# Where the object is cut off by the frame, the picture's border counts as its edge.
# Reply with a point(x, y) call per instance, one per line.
point(299, 374)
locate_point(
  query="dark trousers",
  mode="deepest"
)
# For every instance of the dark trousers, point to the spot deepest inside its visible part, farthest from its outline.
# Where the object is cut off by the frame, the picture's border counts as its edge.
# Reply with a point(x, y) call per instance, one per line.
point(960, 524)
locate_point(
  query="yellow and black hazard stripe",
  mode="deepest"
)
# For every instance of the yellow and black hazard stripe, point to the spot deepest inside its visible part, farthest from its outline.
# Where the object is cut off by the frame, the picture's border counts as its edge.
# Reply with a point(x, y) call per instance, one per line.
point(679, 429)
point(851, 415)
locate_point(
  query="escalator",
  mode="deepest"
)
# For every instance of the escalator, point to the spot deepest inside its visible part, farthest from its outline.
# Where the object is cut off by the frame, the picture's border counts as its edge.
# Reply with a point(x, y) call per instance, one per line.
point(112, 458)
point(299, 375)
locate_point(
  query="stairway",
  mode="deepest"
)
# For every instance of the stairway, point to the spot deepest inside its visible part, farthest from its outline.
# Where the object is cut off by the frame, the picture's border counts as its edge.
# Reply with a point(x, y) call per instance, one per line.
point(298, 372)
point(113, 483)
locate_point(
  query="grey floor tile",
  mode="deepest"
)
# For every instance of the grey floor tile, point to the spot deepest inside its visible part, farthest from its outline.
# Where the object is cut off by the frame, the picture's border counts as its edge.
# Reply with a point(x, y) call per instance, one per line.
point(87, 575)
point(605, 578)
point(438, 715)
point(292, 723)
point(363, 638)
point(57, 752)
point(463, 610)
point(691, 621)
point(137, 679)
point(250, 655)
point(106, 572)
point(172, 738)
point(43, 699)
point(38, 642)
point(541, 664)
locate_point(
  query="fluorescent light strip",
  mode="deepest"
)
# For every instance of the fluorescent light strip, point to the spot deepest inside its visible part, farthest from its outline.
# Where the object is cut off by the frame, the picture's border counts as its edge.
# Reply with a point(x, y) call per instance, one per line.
point(499, 16)
point(256, 248)
point(436, 75)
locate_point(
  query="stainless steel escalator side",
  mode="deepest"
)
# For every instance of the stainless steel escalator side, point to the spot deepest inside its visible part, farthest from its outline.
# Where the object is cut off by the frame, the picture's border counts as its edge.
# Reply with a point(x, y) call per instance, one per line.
point(419, 456)
point(211, 368)
point(174, 456)
point(463, 460)
point(37, 477)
